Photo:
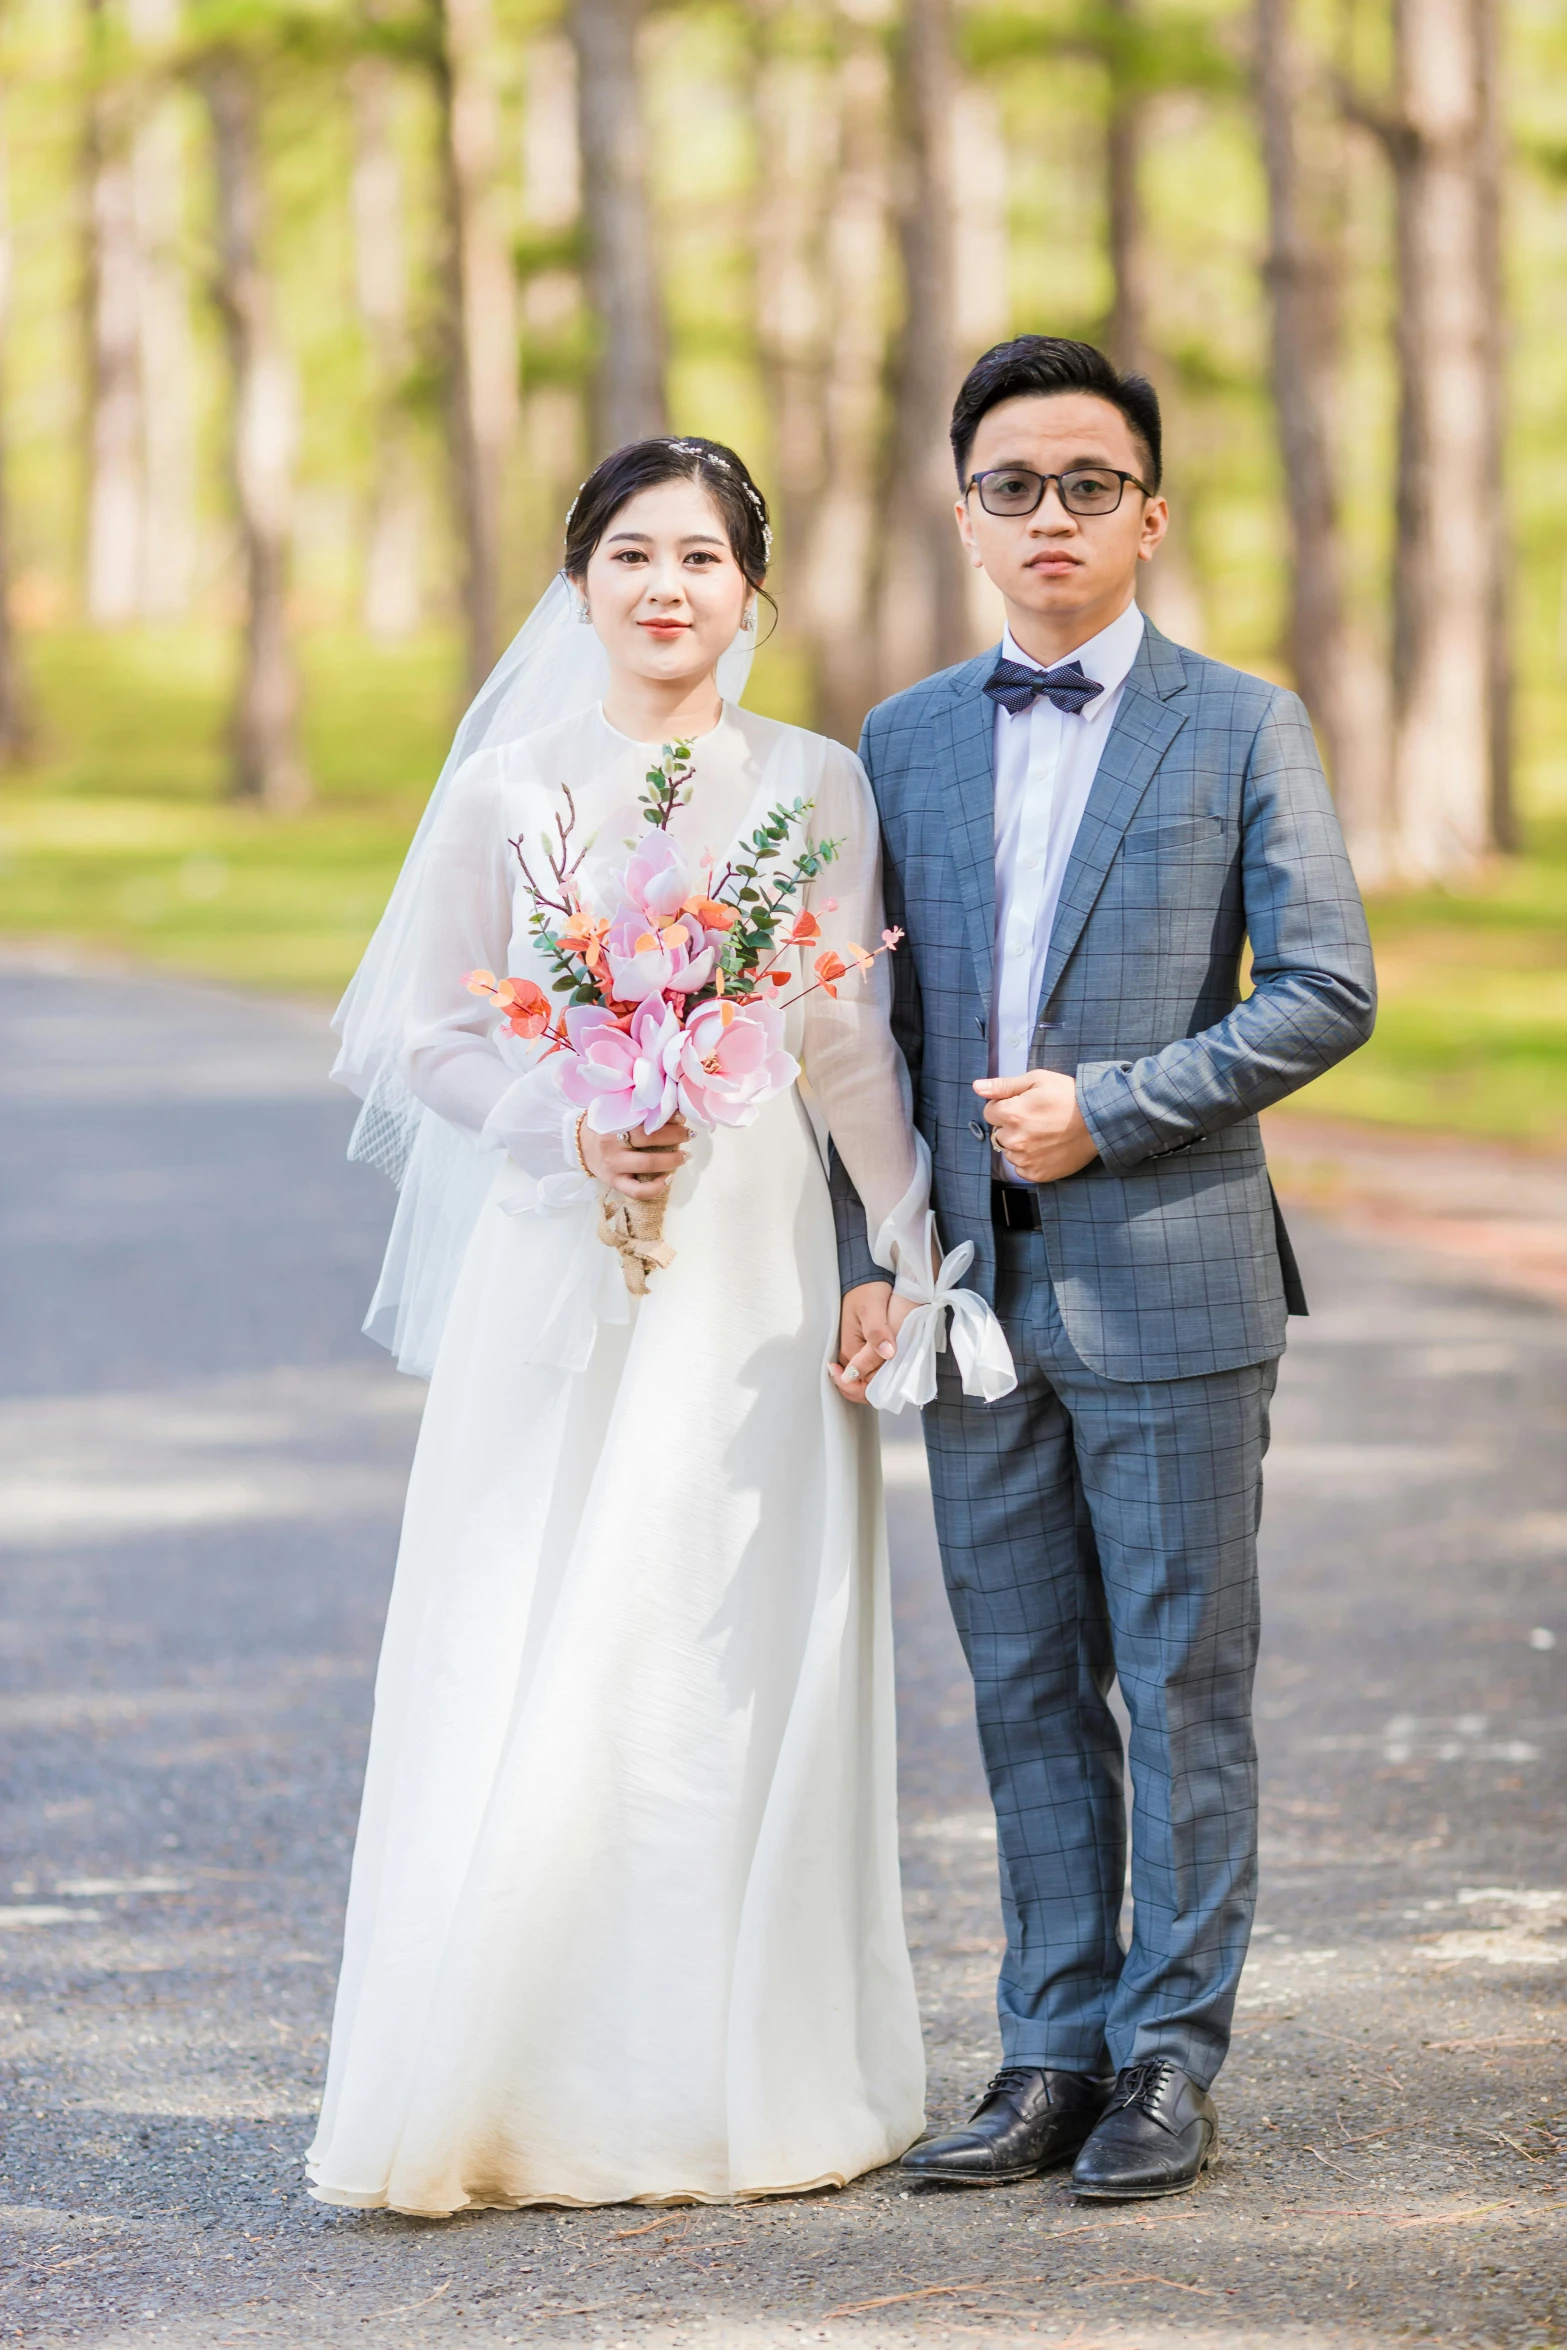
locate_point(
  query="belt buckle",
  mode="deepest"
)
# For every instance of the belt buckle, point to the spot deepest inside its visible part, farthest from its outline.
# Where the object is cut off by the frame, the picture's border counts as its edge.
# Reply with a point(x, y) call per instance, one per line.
point(1013, 1208)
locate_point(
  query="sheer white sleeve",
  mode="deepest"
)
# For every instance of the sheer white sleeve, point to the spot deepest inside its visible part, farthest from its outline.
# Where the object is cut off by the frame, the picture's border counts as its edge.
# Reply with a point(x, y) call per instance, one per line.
point(457, 1058)
point(851, 1062)
point(860, 1081)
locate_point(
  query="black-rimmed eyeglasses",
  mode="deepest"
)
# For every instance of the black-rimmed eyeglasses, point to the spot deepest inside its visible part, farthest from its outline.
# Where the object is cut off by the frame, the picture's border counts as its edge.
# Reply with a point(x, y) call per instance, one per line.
point(1086, 489)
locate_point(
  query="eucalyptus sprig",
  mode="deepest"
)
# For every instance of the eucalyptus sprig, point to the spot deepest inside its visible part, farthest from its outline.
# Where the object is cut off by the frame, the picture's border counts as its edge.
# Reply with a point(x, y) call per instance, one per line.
point(669, 785)
point(762, 897)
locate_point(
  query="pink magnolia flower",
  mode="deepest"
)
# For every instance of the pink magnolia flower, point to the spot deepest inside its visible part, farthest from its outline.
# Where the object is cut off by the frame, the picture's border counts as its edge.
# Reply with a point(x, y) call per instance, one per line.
point(711, 919)
point(622, 1077)
point(647, 960)
point(659, 877)
point(731, 1062)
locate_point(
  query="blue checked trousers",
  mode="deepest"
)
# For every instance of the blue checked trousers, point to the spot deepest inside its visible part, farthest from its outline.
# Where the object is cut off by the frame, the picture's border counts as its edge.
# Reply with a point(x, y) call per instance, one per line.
point(1095, 1529)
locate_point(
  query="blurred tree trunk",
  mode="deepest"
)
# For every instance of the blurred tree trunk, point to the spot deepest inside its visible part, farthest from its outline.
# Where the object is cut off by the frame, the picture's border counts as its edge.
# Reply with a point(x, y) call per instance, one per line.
point(555, 423)
point(797, 135)
point(840, 566)
point(15, 709)
point(623, 282)
point(1128, 238)
point(264, 736)
point(1442, 587)
point(1332, 672)
point(1505, 830)
point(982, 302)
point(481, 317)
point(1168, 592)
point(114, 386)
point(922, 584)
point(390, 602)
point(166, 358)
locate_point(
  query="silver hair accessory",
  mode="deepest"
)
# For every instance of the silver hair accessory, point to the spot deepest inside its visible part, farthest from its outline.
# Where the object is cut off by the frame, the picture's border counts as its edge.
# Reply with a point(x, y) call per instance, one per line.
point(712, 457)
point(755, 497)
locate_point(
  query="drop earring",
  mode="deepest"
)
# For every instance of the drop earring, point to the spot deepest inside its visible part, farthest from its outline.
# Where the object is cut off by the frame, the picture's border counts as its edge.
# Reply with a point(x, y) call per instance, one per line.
point(748, 621)
point(583, 614)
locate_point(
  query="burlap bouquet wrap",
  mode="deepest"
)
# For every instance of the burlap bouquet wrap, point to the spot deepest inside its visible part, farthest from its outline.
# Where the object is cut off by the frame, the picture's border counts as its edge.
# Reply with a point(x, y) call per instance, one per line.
point(634, 1228)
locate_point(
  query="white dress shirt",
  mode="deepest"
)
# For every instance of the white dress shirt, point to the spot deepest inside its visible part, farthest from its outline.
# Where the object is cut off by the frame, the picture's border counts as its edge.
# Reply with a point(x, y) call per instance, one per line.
point(1046, 760)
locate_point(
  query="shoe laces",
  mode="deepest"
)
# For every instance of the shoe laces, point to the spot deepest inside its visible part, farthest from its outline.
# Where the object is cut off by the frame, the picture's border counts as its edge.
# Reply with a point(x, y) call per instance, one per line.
point(1012, 2080)
point(1140, 2083)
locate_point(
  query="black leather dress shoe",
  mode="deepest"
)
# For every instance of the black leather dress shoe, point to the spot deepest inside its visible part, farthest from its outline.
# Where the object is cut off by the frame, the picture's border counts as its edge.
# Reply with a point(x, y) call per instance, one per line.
point(1157, 2135)
point(1025, 2121)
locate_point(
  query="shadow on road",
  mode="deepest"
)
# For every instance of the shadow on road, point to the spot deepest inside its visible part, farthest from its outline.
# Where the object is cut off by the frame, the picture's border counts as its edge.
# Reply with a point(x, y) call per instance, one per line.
point(200, 1473)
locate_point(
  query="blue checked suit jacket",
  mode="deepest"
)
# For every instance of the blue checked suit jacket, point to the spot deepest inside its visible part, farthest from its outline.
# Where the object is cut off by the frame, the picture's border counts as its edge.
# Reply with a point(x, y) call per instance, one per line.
point(1209, 823)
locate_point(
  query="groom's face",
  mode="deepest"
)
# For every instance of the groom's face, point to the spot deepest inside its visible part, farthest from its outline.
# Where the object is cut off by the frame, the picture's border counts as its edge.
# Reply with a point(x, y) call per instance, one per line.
point(1050, 563)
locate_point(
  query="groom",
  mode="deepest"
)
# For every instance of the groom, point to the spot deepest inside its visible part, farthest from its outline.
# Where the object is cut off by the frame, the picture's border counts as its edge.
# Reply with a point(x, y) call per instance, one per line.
point(1082, 832)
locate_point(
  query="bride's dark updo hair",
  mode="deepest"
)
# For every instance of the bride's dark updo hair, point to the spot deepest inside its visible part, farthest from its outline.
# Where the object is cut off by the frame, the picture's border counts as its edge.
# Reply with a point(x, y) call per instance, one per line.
point(643, 465)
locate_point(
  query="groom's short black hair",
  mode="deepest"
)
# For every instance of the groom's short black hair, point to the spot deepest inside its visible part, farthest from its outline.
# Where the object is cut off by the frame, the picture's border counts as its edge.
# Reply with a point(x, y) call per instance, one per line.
point(1041, 365)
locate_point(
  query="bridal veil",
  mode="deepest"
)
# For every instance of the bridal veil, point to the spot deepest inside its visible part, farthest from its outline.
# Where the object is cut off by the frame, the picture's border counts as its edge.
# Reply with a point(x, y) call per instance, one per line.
point(553, 668)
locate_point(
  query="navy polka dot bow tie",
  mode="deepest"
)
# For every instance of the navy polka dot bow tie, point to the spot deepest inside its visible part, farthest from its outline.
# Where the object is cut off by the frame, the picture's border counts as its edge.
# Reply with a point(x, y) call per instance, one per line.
point(1017, 688)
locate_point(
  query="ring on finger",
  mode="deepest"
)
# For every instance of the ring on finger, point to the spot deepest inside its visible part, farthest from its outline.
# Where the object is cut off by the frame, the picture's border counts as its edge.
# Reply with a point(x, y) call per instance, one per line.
point(852, 1371)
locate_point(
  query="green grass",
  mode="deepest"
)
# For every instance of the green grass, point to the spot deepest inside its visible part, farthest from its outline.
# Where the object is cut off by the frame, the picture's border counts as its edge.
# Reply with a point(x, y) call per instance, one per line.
point(1472, 1033)
point(118, 841)
point(141, 714)
point(117, 837)
point(198, 888)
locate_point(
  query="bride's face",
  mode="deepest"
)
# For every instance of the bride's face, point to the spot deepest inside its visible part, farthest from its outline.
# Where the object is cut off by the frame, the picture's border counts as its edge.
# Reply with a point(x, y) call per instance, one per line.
point(663, 588)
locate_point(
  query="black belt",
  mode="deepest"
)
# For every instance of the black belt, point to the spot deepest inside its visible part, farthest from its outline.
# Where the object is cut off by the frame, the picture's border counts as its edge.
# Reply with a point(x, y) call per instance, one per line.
point(1012, 1209)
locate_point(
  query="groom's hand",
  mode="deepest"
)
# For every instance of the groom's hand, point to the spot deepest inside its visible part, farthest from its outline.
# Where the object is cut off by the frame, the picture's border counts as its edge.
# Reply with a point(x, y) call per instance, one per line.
point(867, 1336)
point(1037, 1123)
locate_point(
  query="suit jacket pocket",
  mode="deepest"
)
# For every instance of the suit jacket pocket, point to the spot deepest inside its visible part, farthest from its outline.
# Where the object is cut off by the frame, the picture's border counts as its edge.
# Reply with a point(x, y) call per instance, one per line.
point(1164, 840)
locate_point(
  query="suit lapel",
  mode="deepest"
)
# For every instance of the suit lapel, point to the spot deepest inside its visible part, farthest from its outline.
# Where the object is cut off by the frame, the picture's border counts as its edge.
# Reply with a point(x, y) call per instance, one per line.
point(969, 782)
point(1145, 725)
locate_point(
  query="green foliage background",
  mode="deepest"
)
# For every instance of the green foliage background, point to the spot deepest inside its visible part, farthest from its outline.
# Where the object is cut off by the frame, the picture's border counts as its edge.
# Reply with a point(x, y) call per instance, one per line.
point(117, 838)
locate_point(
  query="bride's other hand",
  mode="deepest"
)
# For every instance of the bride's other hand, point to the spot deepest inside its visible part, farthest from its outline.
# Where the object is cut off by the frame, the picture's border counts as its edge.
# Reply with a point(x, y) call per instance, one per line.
point(638, 1165)
point(867, 1336)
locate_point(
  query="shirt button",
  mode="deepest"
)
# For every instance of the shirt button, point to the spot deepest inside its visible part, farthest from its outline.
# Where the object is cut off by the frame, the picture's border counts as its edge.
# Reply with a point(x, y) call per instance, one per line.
point(1019, 946)
point(1031, 864)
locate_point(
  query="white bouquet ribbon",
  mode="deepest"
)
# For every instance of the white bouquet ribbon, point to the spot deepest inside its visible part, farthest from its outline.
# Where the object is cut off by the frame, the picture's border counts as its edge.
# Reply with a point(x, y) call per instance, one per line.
point(907, 1245)
point(979, 1343)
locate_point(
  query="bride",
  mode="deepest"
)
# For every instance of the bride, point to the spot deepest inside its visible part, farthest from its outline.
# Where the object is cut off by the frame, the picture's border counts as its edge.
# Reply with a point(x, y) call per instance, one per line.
point(624, 1921)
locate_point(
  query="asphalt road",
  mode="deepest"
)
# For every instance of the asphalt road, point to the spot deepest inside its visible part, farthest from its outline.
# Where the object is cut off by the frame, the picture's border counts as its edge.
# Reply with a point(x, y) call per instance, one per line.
point(200, 1473)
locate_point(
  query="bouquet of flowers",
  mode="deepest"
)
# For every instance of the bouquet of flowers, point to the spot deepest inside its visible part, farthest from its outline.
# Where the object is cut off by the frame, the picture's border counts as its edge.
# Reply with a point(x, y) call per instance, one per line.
point(673, 1004)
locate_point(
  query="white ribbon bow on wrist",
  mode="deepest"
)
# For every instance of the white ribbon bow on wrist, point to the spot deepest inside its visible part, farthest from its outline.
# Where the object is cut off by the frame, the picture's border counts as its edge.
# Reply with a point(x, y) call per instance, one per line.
point(979, 1343)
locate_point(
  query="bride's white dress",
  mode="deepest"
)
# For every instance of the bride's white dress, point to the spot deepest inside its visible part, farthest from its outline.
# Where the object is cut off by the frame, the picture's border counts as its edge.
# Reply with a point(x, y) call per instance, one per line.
point(625, 1918)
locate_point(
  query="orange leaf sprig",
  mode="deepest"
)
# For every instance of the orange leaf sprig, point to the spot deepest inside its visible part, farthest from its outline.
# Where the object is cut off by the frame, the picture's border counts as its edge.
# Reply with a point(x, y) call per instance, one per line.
point(524, 1007)
point(830, 966)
